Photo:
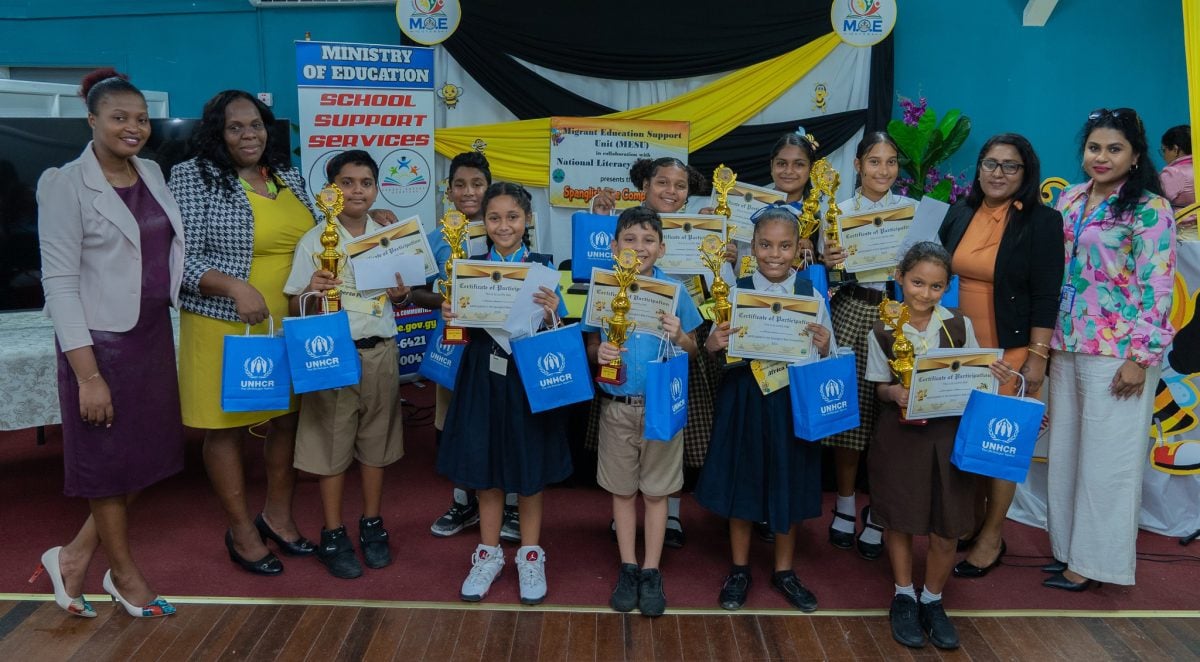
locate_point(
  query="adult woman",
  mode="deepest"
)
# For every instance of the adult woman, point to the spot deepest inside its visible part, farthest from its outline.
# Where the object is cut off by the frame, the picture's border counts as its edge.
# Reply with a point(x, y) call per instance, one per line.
point(1005, 247)
point(1113, 326)
point(244, 209)
point(1177, 177)
point(112, 259)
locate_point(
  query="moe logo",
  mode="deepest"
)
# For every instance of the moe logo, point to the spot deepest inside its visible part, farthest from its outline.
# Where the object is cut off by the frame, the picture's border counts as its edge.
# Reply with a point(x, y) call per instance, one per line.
point(551, 363)
point(428, 22)
point(863, 22)
point(676, 389)
point(832, 390)
point(319, 347)
point(258, 367)
point(864, 8)
point(1003, 430)
point(600, 240)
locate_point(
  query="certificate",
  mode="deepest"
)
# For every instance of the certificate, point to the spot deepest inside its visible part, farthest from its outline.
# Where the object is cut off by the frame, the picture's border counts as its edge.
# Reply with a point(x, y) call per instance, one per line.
point(377, 252)
point(682, 234)
point(649, 299)
point(872, 239)
point(772, 326)
point(944, 378)
point(476, 238)
point(484, 291)
point(743, 201)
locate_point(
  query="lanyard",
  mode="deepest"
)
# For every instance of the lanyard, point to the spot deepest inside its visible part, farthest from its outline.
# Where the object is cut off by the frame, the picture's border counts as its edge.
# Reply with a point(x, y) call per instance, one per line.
point(517, 256)
point(1080, 223)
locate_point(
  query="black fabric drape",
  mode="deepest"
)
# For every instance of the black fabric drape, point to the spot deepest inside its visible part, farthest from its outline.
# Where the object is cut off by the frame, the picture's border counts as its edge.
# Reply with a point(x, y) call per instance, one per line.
point(883, 84)
point(639, 40)
point(746, 149)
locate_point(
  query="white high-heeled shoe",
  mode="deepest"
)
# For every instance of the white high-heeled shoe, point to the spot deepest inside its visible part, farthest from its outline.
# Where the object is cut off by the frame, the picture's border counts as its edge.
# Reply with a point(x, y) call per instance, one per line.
point(49, 565)
point(157, 607)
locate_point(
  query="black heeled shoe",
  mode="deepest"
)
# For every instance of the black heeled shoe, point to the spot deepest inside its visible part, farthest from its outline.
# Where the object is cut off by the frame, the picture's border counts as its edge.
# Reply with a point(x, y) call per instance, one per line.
point(972, 571)
point(1059, 580)
point(300, 547)
point(1055, 567)
point(269, 565)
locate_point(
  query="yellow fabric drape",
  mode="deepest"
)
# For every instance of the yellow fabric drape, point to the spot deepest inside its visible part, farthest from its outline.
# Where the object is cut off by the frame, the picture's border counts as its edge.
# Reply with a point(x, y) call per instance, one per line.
point(520, 151)
point(1191, 49)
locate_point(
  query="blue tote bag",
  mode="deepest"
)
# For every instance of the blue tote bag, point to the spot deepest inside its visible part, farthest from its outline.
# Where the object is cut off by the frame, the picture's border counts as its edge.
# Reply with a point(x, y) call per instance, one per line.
point(666, 395)
point(321, 352)
point(997, 434)
point(824, 396)
point(819, 277)
point(591, 244)
point(254, 372)
point(440, 362)
point(553, 367)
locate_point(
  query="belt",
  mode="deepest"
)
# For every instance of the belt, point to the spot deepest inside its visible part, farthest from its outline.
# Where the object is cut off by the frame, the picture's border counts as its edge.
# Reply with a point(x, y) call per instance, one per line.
point(370, 343)
point(865, 294)
point(636, 400)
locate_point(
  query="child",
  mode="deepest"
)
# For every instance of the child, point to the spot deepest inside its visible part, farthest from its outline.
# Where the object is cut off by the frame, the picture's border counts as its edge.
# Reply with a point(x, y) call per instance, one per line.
point(492, 443)
point(855, 307)
point(359, 422)
point(756, 470)
point(628, 463)
point(915, 488)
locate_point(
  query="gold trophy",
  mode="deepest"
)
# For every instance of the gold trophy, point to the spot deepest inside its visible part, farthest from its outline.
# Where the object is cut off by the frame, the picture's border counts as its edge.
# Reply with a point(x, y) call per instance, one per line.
point(712, 252)
point(454, 231)
point(723, 180)
point(330, 201)
point(829, 181)
point(895, 315)
point(617, 328)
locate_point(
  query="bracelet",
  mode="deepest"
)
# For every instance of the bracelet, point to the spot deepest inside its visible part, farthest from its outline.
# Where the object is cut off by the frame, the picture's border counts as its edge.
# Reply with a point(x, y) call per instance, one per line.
point(1040, 344)
point(88, 379)
point(1033, 351)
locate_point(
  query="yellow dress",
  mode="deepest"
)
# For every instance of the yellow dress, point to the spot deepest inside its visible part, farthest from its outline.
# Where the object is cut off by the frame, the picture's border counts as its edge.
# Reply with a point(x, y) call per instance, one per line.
point(278, 225)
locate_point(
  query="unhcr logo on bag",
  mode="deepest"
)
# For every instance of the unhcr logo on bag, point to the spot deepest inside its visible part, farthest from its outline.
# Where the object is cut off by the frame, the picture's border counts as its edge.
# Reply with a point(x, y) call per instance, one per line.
point(833, 392)
point(320, 349)
point(258, 369)
point(441, 353)
point(677, 401)
point(552, 365)
point(1002, 432)
point(599, 245)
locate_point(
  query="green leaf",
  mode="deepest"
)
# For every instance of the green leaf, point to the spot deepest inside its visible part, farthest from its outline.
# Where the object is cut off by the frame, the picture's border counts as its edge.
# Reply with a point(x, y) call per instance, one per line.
point(942, 190)
point(949, 120)
point(907, 138)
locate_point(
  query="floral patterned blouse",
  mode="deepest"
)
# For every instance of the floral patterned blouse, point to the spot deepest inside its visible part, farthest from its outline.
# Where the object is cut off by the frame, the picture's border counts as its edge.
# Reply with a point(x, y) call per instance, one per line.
point(1122, 275)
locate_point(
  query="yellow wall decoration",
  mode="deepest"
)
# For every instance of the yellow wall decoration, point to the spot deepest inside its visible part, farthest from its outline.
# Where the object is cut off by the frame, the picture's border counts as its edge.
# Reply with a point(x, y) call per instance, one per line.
point(520, 151)
point(1191, 47)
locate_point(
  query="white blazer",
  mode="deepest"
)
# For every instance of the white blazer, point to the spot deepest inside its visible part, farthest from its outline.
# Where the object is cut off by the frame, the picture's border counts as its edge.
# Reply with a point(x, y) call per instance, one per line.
point(92, 250)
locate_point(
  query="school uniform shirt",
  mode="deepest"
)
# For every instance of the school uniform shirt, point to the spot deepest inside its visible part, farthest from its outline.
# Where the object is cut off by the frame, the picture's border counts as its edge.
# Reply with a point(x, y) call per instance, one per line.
point(647, 347)
point(878, 369)
point(858, 204)
point(370, 312)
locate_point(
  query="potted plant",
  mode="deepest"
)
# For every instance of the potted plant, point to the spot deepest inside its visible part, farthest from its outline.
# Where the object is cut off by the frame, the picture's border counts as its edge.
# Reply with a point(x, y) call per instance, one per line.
point(925, 142)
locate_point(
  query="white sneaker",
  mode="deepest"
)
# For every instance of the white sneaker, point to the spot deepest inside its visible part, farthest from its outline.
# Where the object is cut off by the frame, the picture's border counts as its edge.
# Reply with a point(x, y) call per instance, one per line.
point(531, 571)
point(486, 564)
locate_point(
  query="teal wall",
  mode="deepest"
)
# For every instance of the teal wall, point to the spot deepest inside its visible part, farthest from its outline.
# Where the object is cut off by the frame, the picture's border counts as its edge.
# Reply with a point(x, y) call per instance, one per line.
point(1041, 82)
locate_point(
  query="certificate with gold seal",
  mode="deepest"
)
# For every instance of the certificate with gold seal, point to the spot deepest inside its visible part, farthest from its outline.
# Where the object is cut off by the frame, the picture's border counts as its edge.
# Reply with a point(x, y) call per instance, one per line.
point(743, 201)
point(772, 326)
point(943, 379)
point(682, 235)
point(649, 298)
point(872, 240)
point(401, 238)
point(484, 291)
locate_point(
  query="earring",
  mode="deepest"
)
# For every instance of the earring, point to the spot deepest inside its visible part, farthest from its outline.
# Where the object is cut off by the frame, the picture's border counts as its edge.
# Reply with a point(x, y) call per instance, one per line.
point(1133, 167)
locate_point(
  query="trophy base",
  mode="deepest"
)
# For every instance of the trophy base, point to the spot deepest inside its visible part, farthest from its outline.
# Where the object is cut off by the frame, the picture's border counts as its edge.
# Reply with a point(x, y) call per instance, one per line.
point(455, 335)
point(913, 421)
point(611, 374)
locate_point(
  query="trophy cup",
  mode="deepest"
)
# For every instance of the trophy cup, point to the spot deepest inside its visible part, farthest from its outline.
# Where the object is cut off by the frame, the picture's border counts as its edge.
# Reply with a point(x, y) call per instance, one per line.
point(829, 181)
point(616, 327)
point(895, 315)
point(454, 231)
point(712, 252)
point(723, 180)
point(330, 201)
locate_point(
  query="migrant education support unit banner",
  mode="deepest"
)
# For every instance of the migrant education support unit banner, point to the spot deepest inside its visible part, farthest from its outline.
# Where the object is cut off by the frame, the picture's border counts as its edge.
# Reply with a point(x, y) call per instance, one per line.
point(590, 154)
point(377, 98)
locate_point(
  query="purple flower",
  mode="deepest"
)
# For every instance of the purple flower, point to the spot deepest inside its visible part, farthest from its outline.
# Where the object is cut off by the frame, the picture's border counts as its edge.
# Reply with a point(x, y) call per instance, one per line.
point(912, 111)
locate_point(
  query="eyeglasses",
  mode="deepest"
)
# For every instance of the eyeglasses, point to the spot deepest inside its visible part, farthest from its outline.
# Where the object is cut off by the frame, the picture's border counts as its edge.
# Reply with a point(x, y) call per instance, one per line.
point(1116, 114)
point(1006, 167)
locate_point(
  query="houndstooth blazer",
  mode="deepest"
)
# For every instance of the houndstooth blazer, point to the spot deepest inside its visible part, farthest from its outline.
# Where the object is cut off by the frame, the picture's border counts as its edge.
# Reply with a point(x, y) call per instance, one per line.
point(218, 230)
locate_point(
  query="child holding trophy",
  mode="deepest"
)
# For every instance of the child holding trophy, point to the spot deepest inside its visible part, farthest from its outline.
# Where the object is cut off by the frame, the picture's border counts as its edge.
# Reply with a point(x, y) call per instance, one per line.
point(492, 443)
point(358, 422)
point(756, 470)
point(915, 488)
point(628, 463)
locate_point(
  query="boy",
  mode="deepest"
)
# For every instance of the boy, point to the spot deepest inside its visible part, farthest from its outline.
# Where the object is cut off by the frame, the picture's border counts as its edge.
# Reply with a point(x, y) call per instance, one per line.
point(357, 422)
point(628, 463)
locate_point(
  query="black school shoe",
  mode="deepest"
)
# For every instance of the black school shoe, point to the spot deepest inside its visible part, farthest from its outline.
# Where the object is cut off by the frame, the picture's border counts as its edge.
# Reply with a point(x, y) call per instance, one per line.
point(674, 537)
point(787, 583)
point(906, 622)
point(867, 550)
point(841, 539)
point(625, 594)
point(652, 600)
point(734, 590)
point(937, 625)
point(374, 541)
point(337, 554)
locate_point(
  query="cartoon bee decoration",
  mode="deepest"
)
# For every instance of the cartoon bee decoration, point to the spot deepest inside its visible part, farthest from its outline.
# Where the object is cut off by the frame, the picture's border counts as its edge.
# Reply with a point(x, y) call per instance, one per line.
point(450, 94)
point(820, 95)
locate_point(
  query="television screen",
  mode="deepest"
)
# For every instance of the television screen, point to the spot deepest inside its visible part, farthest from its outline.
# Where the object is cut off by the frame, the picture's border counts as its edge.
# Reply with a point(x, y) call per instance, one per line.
point(28, 146)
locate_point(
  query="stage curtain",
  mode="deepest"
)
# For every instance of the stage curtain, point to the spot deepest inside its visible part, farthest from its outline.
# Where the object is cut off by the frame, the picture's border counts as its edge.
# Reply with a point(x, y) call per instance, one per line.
point(638, 40)
point(519, 151)
point(1191, 46)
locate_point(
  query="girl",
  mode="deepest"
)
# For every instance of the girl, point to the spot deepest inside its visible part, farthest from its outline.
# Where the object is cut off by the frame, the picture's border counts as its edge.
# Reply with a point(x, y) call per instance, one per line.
point(915, 489)
point(756, 470)
point(492, 443)
point(791, 162)
point(855, 309)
